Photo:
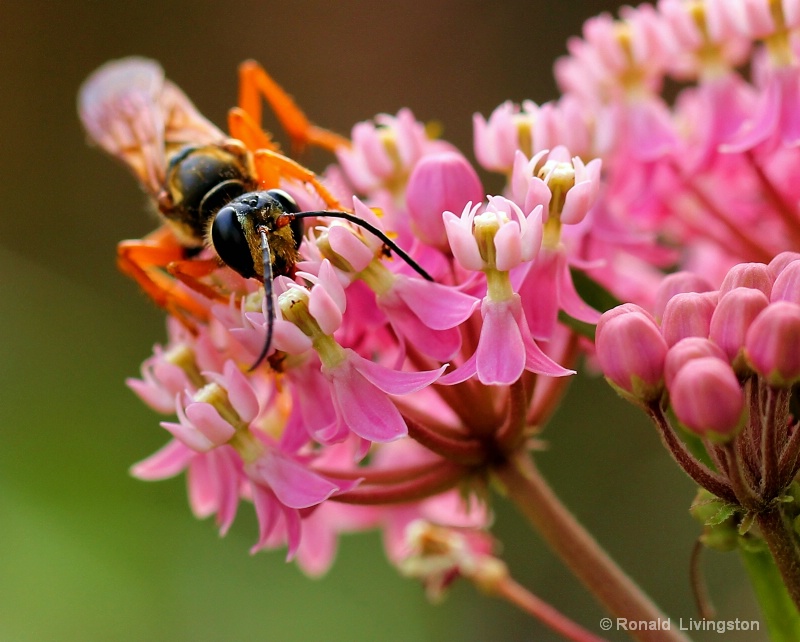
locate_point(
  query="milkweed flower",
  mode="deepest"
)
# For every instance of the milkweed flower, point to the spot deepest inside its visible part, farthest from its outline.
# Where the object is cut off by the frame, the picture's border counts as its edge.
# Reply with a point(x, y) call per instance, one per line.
point(409, 366)
point(494, 242)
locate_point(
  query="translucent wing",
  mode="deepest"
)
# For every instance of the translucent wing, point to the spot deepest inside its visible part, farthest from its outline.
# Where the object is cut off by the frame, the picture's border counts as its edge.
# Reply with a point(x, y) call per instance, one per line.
point(135, 114)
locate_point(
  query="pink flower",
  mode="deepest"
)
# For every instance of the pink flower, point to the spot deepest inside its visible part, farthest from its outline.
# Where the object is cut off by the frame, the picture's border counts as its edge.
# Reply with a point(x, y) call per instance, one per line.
point(546, 288)
point(565, 186)
point(282, 485)
point(509, 128)
point(501, 237)
point(384, 153)
point(359, 388)
point(505, 348)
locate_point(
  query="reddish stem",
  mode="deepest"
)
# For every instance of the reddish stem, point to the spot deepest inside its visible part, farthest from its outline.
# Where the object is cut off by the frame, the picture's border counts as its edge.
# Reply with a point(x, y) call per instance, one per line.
point(461, 451)
point(444, 477)
point(542, 611)
point(512, 433)
point(706, 478)
point(579, 551)
point(382, 475)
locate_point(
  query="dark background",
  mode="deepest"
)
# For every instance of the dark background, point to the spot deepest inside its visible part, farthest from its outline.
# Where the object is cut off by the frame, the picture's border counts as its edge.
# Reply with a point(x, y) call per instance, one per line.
point(87, 552)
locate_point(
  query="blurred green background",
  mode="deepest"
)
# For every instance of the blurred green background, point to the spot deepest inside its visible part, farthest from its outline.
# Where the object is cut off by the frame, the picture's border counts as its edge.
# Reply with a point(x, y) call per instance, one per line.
point(87, 552)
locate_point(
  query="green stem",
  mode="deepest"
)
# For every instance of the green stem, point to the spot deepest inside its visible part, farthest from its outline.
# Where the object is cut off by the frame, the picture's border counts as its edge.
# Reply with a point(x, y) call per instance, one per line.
point(783, 545)
point(780, 613)
point(579, 551)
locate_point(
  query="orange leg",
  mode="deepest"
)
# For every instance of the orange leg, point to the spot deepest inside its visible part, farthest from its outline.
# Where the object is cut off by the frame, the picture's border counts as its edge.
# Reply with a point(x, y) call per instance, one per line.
point(271, 166)
point(190, 271)
point(255, 83)
point(144, 260)
point(242, 127)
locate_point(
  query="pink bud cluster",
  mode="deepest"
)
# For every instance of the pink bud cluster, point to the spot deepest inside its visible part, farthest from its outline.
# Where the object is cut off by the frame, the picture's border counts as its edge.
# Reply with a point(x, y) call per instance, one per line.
point(724, 362)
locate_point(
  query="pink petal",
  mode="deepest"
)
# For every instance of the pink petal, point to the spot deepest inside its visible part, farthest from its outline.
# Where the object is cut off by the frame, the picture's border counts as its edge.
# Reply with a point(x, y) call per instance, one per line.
point(393, 382)
point(287, 337)
point(367, 411)
point(293, 483)
point(508, 246)
point(202, 487)
point(171, 460)
point(240, 393)
point(189, 436)
point(227, 476)
point(570, 300)
point(317, 549)
point(267, 513)
point(438, 306)
point(323, 308)
point(205, 418)
point(350, 247)
point(501, 352)
point(293, 532)
point(465, 371)
point(462, 242)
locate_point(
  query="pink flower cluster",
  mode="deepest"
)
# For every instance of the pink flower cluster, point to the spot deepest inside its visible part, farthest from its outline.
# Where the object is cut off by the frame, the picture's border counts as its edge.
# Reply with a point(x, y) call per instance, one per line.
point(702, 180)
point(383, 391)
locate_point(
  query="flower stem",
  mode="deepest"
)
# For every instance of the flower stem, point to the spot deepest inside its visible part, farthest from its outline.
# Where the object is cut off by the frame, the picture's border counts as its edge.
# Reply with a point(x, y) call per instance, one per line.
point(706, 478)
point(579, 551)
point(783, 546)
point(542, 611)
point(444, 477)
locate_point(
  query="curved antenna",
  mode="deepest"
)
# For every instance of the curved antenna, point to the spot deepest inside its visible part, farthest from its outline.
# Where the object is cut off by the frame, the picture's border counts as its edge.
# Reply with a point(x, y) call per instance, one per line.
point(370, 228)
point(266, 255)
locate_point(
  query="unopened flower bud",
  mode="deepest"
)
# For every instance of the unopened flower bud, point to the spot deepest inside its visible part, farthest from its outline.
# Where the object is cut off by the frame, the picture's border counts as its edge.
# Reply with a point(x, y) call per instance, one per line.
point(772, 344)
point(780, 261)
point(631, 352)
point(440, 183)
point(732, 317)
point(686, 350)
point(707, 398)
point(787, 284)
point(747, 275)
point(677, 283)
point(688, 315)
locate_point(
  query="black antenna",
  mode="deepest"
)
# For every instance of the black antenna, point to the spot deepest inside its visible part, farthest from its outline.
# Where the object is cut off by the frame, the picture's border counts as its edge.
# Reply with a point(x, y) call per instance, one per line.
point(267, 270)
point(370, 228)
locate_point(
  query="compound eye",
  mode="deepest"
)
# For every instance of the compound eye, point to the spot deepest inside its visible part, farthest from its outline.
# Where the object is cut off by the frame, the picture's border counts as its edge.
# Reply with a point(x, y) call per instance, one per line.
point(287, 203)
point(230, 242)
